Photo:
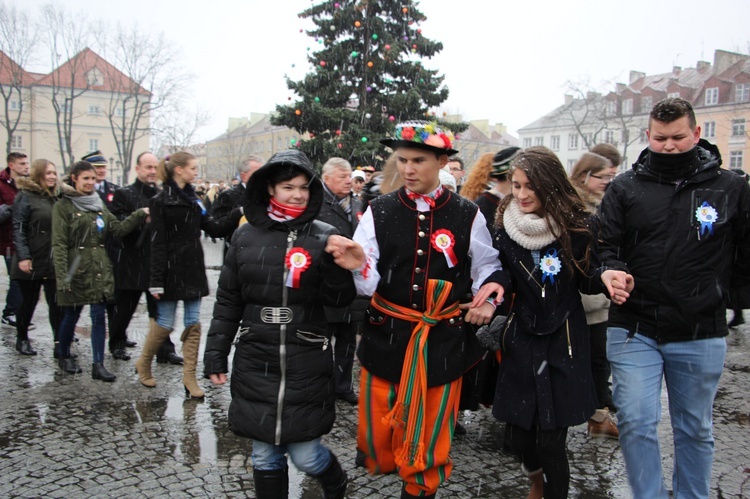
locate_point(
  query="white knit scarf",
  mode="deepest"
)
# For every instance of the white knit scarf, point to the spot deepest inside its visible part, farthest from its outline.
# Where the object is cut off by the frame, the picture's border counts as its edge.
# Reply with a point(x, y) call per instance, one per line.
point(527, 229)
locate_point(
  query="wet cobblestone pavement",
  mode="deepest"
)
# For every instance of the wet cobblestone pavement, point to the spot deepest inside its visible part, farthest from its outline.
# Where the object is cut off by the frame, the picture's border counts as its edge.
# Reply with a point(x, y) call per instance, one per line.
point(70, 436)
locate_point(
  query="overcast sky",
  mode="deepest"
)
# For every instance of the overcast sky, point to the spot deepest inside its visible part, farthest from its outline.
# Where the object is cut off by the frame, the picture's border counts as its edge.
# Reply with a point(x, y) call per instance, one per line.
point(503, 61)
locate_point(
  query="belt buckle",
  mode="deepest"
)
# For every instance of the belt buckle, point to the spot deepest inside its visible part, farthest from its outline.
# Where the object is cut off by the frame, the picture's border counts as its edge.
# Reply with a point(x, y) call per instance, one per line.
point(276, 315)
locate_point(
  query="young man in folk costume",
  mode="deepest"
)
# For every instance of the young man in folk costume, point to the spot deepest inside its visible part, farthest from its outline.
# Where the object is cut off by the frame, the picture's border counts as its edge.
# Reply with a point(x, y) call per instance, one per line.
point(422, 248)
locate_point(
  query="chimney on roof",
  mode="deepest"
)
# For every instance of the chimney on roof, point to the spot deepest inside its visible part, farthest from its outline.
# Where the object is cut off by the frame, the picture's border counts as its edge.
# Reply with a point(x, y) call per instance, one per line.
point(703, 65)
point(501, 129)
point(676, 70)
point(723, 60)
point(568, 99)
point(592, 95)
point(635, 75)
point(620, 87)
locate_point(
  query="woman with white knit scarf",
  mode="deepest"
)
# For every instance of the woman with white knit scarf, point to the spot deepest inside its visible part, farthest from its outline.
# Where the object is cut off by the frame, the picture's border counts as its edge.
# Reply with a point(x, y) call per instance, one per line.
point(547, 243)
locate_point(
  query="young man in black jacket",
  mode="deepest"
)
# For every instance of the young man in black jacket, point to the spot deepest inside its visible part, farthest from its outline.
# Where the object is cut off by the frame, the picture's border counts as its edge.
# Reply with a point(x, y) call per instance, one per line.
point(679, 224)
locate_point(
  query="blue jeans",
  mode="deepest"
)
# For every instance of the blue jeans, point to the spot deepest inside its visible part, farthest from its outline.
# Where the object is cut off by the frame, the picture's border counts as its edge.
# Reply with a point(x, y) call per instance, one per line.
point(165, 313)
point(309, 457)
point(691, 370)
point(14, 297)
point(67, 328)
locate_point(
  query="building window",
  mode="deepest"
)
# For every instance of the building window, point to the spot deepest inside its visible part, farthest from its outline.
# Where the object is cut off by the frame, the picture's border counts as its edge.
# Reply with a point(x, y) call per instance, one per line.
point(742, 92)
point(94, 109)
point(735, 159)
point(538, 141)
point(647, 102)
point(15, 105)
point(738, 127)
point(526, 143)
point(588, 140)
point(93, 144)
point(644, 136)
point(572, 141)
point(16, 142)
point(611, 108)
point(120, 112)
point(712, 96)
point(609, 136)
point(709, 129)
point(554, 142)
point(627, 106)
point(571, 164)
point(673, 95)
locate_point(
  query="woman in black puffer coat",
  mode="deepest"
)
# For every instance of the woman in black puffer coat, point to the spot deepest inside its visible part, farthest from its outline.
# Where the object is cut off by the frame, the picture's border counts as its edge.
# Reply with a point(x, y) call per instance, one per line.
point(277, 277)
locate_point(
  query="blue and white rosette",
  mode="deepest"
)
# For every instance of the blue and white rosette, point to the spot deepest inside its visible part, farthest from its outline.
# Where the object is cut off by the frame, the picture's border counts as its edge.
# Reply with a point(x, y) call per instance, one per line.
point(201, 206)
point(99, 223)
point(550, 266)
point(706, 215)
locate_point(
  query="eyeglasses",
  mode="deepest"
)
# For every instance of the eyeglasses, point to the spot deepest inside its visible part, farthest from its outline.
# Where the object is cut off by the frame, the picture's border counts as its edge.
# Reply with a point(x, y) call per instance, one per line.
point(606, 178)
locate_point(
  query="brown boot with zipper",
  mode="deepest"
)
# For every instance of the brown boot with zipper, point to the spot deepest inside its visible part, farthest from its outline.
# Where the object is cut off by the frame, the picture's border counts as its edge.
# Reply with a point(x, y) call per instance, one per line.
point(191, 341)
point(154, 339)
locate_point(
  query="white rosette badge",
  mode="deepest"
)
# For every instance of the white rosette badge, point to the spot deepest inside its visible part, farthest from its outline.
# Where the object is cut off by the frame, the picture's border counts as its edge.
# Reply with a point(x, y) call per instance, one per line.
point(706, 215)
point(550, 266)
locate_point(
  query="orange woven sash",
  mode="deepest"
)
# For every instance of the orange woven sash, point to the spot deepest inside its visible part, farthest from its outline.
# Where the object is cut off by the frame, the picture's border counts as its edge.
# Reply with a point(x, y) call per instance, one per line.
point(408, 413)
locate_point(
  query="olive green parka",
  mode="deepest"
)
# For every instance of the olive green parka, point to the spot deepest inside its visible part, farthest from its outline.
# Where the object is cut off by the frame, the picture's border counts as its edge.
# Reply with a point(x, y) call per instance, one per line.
point(82, 268)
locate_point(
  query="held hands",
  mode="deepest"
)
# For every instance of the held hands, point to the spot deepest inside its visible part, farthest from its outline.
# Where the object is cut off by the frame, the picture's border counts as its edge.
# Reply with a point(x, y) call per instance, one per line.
point(619, 285)
point(480, 312)
point(25, 266)
point(346, 253)
point(218, 379)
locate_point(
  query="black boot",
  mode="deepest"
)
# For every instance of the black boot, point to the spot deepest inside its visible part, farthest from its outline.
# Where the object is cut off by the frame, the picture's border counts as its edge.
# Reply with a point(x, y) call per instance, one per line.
point(166, 353)
point(737, 320)
point(24, 347)
point(68, 365)
point(333, 480)
point(98, 371)
point(271, 484)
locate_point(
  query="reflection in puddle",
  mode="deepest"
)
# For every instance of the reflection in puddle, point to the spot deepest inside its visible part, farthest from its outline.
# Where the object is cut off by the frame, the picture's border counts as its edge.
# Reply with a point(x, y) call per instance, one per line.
point(42, 408)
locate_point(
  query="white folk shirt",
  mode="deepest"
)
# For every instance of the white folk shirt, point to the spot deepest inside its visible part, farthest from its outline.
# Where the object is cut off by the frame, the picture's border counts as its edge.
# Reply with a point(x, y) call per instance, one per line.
point(484, 257)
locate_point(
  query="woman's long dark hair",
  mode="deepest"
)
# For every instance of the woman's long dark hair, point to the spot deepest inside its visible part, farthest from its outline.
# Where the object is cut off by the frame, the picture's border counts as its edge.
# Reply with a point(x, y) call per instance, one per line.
point(562, 207)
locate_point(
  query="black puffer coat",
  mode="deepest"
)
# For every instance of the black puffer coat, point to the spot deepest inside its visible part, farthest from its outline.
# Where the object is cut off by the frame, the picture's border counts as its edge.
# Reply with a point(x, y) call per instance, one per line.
point(282, 375)
point(683, 272)
point(177, 264)
point(545, 370)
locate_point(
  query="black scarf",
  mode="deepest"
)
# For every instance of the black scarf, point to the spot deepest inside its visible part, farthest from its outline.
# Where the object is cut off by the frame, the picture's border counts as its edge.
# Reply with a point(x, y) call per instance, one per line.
point(674, 167)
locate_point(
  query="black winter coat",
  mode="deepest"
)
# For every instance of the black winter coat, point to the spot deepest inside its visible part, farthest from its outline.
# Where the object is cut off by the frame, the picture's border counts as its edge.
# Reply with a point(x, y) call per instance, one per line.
point(132, 259)
point(544, 377)
point(332, 213)
point(223, 205)
point(177, 264)
point(32, 231)
point(683, 272)
point(282, 375)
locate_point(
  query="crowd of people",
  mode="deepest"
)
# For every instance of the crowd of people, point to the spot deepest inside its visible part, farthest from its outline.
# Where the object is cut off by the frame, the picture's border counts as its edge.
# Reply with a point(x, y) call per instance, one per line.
point(565, 299)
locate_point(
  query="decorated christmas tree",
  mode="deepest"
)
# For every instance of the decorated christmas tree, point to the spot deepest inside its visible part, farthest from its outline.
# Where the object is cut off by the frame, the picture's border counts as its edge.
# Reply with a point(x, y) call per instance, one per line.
point(367, 76)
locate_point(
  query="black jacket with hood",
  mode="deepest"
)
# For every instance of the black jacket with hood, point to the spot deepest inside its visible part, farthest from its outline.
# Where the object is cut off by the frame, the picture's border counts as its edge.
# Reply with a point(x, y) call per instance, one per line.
point(683, 267)
point(282, 374)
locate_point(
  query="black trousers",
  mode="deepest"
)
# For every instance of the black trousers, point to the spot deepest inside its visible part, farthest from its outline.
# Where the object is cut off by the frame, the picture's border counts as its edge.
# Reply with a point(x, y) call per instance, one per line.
point(545, 450)
point(345, 334)
point(600, 369)
point(126, 302)
point(30, 297)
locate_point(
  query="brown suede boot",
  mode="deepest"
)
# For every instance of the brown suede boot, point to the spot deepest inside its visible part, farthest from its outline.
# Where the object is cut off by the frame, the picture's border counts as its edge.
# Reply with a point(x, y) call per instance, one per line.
point(154, 339)
point(191, 341)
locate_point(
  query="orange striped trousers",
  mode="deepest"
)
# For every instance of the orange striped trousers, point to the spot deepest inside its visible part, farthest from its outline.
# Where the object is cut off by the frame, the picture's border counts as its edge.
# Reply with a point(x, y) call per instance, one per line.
point(379, 441)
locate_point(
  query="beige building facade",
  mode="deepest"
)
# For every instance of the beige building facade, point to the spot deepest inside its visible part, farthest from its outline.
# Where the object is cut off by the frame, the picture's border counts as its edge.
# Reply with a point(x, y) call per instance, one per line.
point(97, 102)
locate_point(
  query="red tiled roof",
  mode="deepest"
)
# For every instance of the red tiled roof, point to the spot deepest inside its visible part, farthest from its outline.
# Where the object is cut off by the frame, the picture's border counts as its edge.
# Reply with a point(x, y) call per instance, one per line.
point(10, 71)
point(74, 72)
